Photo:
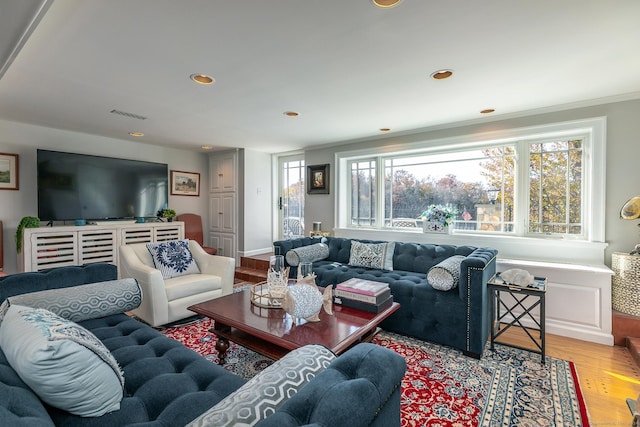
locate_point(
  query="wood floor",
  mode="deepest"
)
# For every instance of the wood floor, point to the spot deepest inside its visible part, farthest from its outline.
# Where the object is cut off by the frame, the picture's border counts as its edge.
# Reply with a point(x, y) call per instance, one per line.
point(608, 375)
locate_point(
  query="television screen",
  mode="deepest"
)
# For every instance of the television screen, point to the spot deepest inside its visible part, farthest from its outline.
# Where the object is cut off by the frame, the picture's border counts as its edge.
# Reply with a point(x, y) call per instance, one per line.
point(77, 186)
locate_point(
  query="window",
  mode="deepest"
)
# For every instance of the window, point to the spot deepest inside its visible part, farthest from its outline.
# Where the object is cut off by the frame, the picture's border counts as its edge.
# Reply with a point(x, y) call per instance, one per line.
point(538, 182)
point(555, 187)
point(363, 194)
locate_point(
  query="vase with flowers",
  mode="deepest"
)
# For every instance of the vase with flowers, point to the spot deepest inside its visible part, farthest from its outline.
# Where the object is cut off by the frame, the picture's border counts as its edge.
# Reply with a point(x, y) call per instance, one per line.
point(437, 219)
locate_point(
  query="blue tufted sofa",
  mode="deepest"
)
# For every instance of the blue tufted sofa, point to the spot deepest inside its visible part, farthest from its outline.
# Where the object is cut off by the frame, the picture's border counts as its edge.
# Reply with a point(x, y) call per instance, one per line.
point(458, 318)
point(166, 384)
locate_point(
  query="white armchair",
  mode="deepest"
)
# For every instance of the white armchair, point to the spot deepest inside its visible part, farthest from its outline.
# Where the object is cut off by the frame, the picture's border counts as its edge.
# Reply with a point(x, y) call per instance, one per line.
point(166, 300)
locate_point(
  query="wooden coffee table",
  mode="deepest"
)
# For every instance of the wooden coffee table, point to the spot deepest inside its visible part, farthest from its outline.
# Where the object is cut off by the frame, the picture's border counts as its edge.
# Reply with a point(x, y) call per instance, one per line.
point(271, 332)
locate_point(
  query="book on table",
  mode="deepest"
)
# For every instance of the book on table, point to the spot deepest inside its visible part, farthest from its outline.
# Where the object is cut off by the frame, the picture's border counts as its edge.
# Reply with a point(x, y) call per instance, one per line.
point(362, 286)
point(379, 297)
point(364, 306)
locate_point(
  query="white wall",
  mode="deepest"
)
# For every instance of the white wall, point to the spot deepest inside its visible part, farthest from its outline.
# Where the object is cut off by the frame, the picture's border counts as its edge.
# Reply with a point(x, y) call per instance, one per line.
point(256, 211)
point(23, 139)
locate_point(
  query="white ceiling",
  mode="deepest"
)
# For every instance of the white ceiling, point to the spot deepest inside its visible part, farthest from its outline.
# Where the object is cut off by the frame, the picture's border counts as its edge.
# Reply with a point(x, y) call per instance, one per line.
point(348, 67)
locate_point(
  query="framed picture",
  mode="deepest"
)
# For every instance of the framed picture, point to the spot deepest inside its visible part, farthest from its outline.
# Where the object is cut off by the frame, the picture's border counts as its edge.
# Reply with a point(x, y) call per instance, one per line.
point(9, 171)
point(185, 183)
point(318, 179)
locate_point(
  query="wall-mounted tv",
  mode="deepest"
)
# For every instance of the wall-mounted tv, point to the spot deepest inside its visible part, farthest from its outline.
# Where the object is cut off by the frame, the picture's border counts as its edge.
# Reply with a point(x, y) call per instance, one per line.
point(78, 186)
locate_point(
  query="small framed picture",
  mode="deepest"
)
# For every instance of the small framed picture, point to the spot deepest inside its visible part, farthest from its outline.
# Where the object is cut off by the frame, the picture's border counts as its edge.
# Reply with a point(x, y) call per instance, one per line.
point(185, 183)
point(318, 179)
point(9, 174)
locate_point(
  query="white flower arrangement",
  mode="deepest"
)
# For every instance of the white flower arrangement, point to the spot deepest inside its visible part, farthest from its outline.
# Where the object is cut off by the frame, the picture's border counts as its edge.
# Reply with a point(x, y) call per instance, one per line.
point(440, 214)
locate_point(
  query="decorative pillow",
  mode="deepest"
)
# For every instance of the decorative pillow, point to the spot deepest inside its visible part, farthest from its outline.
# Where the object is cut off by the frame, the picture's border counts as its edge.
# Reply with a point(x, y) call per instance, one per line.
point(372, 255)
point(445, 275)
point(261, 395)
point(62, 362)
point(309, 253)
point(173, 258)
point(84, 302)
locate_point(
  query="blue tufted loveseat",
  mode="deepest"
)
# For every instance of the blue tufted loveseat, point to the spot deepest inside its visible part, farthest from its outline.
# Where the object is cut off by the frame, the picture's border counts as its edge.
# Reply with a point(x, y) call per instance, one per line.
point(167, 384)
point(458, 318)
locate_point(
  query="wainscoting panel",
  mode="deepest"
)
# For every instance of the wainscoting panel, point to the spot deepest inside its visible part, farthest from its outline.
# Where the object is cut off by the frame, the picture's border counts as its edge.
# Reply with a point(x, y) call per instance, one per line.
point(578, 300)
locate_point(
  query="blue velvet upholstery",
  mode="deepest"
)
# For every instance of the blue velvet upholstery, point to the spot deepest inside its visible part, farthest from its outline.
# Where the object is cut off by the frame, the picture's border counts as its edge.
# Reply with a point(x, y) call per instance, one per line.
point(166, 384)
point(458, 318)
point(350, 389)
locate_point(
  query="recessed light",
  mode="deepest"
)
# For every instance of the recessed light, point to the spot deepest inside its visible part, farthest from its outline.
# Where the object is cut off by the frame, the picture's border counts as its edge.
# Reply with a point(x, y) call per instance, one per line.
point(136, 134)
point(442, 74)
point(291, 113)
point(385, 129)
point(487, 111)
point(202, 79)
point(385, 4)
point(206, 147)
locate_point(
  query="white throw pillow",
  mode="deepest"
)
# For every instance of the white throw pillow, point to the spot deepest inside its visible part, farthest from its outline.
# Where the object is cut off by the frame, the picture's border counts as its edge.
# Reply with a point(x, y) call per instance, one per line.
point(372, 255)
point(173, 258)
point(63, 363)
point(309, 253)
point(445, 275)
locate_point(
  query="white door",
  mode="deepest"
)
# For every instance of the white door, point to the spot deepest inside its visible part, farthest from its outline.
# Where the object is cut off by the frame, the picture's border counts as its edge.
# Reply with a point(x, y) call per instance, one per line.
point(291, 190)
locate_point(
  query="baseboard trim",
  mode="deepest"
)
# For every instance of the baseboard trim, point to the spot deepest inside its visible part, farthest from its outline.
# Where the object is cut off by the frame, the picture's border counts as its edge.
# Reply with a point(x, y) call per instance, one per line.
point(255, 252)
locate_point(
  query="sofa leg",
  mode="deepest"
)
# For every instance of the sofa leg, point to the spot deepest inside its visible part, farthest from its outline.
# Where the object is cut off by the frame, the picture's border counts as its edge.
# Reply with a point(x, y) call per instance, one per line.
point(471, 354)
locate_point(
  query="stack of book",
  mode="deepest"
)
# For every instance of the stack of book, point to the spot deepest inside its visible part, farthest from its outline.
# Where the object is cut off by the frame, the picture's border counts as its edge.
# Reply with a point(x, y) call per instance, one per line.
point(364, 295)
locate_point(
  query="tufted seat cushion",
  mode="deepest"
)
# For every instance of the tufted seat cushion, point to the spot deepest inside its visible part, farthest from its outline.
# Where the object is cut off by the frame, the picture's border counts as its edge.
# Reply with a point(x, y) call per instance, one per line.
point(157, 391)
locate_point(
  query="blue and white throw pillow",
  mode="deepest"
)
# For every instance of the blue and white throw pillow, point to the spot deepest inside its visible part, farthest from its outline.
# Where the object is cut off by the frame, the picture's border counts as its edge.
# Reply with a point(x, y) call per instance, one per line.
point(173, 258)
point(372, 255)
point(445, 275)
point(66, 365)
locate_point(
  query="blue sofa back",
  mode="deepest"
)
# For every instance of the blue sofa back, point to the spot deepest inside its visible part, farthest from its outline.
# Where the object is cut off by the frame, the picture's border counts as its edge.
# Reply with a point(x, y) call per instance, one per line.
point(17, 284)
point(414, 257)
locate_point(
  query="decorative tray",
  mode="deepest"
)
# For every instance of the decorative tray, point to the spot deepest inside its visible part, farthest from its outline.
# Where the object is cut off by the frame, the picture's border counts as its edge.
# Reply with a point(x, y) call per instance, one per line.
point(260, 296)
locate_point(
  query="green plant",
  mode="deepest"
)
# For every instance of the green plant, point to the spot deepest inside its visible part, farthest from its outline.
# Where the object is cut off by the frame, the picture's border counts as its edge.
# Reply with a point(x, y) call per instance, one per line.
point(26, 222)
point(166, 213)
point(442, 214)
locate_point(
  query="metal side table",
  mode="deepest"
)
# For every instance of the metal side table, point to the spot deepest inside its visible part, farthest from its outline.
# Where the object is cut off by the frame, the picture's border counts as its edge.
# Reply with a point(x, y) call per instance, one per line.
point(524, 300)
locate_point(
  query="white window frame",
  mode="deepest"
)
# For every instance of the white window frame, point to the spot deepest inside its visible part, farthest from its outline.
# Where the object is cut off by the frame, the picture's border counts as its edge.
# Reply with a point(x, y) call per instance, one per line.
point(592, 130)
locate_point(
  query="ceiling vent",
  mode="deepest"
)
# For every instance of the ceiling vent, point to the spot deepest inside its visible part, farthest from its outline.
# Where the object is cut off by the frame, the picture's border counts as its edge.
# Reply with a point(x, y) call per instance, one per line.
point(130, 115)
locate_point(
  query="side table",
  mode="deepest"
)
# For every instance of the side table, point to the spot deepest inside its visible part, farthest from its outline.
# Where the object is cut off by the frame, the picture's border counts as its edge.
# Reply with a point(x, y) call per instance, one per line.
point(525, 298)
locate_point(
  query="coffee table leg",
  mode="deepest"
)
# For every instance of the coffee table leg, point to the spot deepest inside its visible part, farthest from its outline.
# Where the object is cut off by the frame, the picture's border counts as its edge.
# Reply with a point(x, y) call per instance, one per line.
point(222, 345)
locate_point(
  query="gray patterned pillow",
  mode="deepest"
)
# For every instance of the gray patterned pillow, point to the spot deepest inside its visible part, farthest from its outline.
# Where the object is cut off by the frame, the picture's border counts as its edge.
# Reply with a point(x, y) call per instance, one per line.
point(173, 258)
point(309, 253)
point(445, 275)
point(249, 404)
point(83, 302)
point(372, 255)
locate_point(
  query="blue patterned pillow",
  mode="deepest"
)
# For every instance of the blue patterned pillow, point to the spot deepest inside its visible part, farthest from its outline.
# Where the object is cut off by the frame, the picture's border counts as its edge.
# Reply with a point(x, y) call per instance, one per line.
point(78, 303)
point(173, 258)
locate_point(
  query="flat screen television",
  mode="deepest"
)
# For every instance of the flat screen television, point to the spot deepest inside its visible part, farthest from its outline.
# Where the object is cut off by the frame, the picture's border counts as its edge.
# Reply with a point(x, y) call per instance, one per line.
point(78, 186)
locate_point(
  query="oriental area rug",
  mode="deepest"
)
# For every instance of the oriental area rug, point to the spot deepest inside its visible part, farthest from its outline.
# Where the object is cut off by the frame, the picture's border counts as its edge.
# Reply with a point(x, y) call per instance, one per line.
point(442, 387)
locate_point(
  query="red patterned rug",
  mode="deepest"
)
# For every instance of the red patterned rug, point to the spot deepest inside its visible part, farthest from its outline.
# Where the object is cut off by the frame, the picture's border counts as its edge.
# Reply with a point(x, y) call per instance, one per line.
point(442, 387)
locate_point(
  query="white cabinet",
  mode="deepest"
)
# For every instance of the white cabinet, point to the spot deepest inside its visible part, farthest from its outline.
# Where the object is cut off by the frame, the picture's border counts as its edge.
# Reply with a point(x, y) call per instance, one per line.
point(222, 212)
point(225, 243)
point(49, 247)
point(223, 203)
point(223, 172)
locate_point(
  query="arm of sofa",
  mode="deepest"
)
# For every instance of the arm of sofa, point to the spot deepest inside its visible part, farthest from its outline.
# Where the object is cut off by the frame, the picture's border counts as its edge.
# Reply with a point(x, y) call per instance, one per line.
point(361, 386)
point(262, 394)
point(476, 269)
point(154, 305)
point(215, 265)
